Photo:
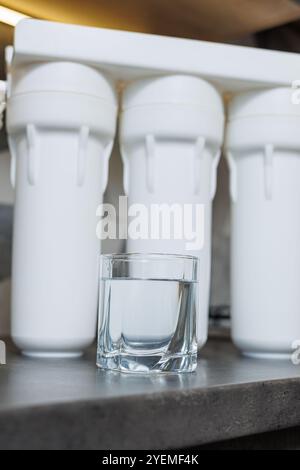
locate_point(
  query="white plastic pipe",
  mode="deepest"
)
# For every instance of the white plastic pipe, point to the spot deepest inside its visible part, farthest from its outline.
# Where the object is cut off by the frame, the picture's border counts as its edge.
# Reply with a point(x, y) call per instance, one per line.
point(61, 122)
point(171, 132)
point(263, 150)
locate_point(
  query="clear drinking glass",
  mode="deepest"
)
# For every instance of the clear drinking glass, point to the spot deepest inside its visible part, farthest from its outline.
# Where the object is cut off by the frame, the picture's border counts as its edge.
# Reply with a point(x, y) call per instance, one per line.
point(147, 313)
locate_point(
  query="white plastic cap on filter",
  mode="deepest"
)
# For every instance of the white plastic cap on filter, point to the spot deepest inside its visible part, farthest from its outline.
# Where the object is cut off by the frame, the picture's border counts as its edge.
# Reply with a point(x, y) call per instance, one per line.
point(173, 106)
point(267, 102)
point(177, 89)
point(72, 94)
point(67, 77)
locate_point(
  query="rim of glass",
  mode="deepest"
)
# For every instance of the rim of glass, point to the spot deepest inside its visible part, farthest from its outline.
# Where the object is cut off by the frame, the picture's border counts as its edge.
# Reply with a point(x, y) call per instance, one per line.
point(148, 256)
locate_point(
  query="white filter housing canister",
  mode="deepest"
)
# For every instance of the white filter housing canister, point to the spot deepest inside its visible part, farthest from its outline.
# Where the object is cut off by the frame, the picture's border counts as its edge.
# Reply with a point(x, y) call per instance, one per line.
point(61, 120)
point(171, 132)
point(263, 150)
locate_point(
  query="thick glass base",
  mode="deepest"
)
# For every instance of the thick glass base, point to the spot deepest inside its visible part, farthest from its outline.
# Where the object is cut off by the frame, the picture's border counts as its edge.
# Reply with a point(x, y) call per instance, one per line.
point(147, 364)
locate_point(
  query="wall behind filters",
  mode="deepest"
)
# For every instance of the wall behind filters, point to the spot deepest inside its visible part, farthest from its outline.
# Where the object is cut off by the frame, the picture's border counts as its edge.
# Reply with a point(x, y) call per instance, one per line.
point(221, 239)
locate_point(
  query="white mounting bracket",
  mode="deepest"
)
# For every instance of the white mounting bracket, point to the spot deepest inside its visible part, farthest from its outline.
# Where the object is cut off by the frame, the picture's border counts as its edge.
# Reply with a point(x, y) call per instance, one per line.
point(128, 56)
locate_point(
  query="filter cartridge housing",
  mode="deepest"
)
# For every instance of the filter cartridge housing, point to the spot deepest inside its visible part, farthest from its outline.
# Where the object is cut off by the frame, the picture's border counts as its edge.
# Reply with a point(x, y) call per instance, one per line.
point(61, 119)
point(171, 132)
point(263, 150)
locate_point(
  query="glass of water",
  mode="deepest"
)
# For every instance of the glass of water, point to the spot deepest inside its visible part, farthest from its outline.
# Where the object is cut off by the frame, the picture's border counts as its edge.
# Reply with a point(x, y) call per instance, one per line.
point(148, 313)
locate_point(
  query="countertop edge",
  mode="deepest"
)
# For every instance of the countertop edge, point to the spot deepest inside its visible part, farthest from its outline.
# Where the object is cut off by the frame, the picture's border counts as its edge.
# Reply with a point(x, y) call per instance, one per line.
point(160, 420)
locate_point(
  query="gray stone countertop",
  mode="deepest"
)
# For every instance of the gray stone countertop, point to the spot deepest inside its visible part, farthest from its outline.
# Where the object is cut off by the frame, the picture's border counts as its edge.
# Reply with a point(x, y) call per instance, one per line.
point(70, 404)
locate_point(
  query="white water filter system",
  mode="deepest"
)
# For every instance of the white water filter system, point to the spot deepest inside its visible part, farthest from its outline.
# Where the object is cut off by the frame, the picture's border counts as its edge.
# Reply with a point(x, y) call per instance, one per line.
point(61, 119)
point(263, 150)
point(171, 132)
